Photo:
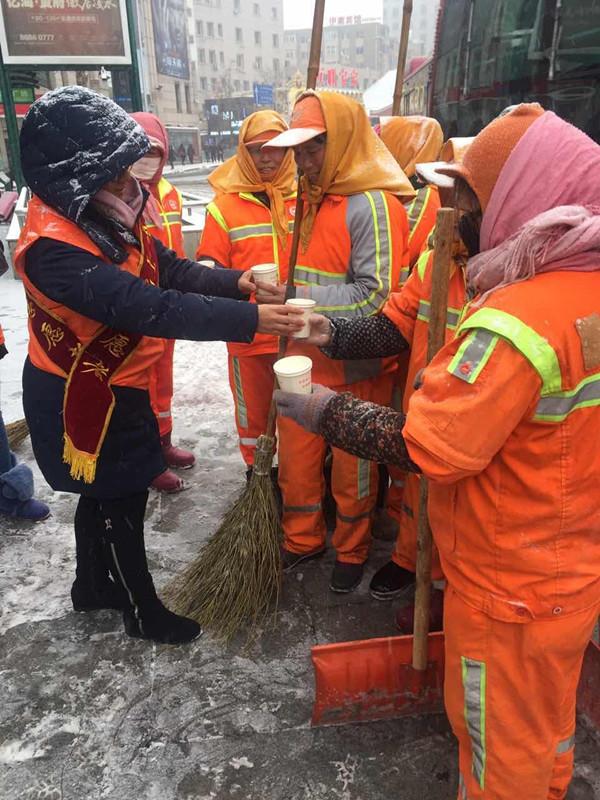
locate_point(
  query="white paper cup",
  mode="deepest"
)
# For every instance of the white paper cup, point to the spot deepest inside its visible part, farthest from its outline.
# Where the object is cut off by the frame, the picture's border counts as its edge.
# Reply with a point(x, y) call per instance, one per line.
point(307, 306)
point(294, 374)
point(269, 273)
point(207, 262)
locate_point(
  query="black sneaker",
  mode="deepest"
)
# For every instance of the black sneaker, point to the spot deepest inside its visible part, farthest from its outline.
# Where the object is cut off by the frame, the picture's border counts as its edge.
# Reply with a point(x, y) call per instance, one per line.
point(346, 577)
point(290, 561)
point(391, 582)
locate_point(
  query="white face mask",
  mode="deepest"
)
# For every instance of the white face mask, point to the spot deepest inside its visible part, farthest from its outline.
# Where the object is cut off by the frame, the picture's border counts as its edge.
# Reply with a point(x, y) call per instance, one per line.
point(146, 168)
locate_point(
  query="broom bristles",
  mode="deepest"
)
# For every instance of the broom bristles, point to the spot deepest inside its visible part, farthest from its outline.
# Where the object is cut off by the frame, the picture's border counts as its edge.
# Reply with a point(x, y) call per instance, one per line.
point(16, 432)
point(235, 580)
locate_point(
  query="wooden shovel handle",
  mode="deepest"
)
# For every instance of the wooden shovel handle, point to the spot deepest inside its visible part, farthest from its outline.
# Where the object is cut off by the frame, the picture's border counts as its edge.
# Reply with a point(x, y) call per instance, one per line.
point(440, 281)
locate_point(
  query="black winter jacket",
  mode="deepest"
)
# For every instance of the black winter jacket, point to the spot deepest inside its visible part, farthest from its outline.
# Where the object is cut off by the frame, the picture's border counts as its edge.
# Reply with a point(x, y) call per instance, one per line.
point(131, 455)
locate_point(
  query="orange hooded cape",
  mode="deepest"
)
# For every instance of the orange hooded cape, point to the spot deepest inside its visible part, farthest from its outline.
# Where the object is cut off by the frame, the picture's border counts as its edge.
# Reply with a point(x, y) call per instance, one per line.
point(238, 173)
point(412, 140)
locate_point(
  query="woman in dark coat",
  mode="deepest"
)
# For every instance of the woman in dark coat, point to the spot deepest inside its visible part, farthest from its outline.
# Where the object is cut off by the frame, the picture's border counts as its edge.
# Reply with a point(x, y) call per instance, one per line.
point(101, 295)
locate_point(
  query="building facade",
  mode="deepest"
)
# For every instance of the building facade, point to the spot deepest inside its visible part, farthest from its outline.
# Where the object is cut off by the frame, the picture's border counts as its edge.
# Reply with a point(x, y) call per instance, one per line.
point(354, 53)
point(422, 25)
point(234, 44)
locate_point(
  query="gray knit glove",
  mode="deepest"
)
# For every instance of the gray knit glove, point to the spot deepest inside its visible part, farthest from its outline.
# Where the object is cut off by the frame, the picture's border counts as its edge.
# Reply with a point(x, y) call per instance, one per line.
point(304, 409)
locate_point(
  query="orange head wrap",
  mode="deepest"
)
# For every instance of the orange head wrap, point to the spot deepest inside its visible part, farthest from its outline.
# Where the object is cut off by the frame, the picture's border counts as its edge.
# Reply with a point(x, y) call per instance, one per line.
point(412, 140)
point(485, 158)
point(239, 174)
point(355, 158)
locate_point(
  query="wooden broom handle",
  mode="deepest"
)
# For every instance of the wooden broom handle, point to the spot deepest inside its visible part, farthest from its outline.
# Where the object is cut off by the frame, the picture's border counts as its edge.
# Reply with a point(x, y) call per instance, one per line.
point(402, 52)
point(311, 82)
point(440, 281)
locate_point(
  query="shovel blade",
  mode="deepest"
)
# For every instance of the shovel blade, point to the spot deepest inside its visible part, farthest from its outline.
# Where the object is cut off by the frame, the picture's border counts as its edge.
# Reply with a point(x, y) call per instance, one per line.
point(373, 679)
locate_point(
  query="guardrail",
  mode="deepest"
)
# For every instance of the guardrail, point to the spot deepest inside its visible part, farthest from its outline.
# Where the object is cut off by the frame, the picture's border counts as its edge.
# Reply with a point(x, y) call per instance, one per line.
point(192, 221)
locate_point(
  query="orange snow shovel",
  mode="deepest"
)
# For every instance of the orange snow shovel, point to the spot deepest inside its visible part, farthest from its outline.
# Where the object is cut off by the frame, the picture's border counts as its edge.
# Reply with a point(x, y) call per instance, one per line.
point(398, 675)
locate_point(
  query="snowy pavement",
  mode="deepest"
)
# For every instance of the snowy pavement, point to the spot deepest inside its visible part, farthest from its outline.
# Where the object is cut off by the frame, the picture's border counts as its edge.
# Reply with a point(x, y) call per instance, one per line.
point(89, 714)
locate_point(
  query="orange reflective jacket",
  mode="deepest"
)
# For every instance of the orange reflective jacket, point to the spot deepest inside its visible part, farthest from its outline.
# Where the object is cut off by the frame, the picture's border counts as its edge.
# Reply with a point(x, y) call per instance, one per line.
point(422, 213)
point(357, 249)
point(507, 428)
point(170, 205)
point(43, 221)
point(239, 233)
point(2, 340)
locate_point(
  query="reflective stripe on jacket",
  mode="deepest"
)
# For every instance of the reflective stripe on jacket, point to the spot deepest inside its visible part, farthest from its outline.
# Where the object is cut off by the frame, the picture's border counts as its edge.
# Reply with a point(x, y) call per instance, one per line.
point(170, 206)
point(239, 233)
point(422, 213)
point(43, 221)
point(507, 428)
point(353, 261)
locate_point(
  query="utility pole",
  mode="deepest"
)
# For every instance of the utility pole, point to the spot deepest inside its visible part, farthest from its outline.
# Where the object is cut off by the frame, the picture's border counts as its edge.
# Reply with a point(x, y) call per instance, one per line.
point(136, 89)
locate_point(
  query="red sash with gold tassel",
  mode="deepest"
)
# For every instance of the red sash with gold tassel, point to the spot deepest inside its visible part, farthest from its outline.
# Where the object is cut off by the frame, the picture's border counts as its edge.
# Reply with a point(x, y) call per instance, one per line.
point(89, 400)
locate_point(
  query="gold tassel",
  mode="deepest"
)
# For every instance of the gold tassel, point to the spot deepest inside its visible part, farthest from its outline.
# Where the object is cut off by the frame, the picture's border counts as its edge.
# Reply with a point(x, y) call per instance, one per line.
point(83, 465)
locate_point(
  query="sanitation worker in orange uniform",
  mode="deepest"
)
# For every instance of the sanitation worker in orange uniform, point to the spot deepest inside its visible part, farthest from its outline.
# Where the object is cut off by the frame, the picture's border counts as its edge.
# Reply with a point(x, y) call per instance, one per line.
point(506, 427)
point(249, 223)
point(415, 140)
point(353, 247)
point(409, 311)
point(162, 218)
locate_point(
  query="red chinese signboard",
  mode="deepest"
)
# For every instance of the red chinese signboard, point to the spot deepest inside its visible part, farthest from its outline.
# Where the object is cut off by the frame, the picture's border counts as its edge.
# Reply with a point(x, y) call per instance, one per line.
point(77, 32)
point(338, 78)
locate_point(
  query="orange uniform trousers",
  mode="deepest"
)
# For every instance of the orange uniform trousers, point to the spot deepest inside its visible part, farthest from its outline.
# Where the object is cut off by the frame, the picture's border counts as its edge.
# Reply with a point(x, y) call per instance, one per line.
point(251, 379)
point(510, 694)
point(160, 388)
point(353, 484)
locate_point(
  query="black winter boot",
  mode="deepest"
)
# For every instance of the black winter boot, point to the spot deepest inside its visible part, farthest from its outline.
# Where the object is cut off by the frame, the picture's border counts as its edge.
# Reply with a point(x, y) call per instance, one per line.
point(145, 617)
point(93, 588)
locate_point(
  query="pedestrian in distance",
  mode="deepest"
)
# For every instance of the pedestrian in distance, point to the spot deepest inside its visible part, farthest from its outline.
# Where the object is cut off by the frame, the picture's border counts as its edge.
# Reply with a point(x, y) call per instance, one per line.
point(171, 156)
point(506, 427)
point(162, 219)
point(102, 295)
point(181, 153)
point(190, 153)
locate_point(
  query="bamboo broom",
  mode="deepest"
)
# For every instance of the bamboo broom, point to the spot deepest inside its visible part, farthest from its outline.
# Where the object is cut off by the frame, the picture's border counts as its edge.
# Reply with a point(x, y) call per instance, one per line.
point(235, 580)
point(16, 432)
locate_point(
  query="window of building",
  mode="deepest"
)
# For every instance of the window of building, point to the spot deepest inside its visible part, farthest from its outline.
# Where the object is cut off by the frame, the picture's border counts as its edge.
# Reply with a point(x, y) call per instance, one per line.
point(220, 31)
point(203, 84)
point(239, 61)
point(258, 62)
point(276, 65)
point(178, 98)
point(212, 57)
point(222, 58)
point(199, 27)
point(236, 85)
point(236, 6)
point(257, 38)
point(210, 30)
point(246, 86)
point(214, 85)
point(273, 12)
point(239, 36)
point(188, 99)
point(202, 56)
point(276, 41)
point(256, 10)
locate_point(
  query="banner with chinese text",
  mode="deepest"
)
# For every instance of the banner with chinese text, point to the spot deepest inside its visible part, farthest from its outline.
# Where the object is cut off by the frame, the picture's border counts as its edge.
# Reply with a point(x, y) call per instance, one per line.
point(77, 32)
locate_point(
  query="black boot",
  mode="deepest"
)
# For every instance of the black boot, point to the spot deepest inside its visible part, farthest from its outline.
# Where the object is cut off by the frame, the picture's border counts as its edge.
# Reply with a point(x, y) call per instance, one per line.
point(93, 588)
point(145, 617)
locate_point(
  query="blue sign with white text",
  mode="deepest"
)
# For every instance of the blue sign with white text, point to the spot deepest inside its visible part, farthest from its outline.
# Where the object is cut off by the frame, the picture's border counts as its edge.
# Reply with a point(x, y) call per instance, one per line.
point(263, 94)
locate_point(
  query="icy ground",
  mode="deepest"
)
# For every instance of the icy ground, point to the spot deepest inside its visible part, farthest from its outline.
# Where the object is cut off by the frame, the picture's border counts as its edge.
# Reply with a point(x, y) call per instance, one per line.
point(89, 714)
